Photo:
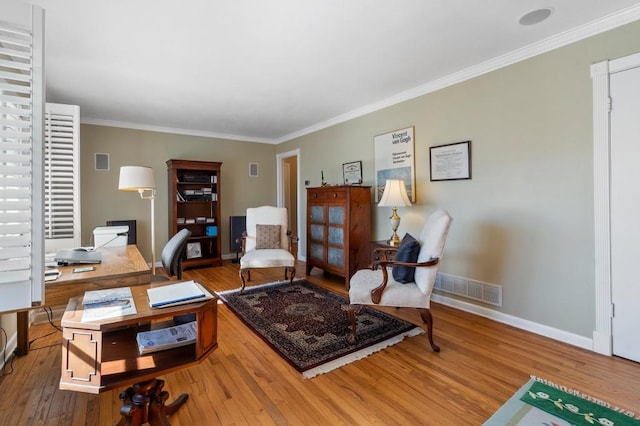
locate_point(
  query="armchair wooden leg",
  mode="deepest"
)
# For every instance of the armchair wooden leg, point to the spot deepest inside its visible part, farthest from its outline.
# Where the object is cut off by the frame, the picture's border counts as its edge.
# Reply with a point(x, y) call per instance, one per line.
point(428, 319)
point(289, 273)
point(241, 272)
point(352, 311)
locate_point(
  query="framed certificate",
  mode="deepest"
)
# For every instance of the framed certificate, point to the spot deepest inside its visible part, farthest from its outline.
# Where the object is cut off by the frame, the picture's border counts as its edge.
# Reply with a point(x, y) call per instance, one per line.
point(352, 173)
point(451, 161)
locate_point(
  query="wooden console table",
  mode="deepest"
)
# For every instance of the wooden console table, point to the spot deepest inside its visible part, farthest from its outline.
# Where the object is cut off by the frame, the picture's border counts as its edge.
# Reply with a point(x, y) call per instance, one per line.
point(120, 267)
point(103, 355)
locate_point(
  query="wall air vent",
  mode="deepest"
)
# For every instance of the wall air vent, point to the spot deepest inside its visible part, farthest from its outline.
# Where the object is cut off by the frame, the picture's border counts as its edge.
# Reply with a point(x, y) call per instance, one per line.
point(470, 289)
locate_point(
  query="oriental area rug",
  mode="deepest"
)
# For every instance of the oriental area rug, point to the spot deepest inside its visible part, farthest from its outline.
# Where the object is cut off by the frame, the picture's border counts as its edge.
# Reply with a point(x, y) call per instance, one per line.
point(308, 325)
point(540, 402)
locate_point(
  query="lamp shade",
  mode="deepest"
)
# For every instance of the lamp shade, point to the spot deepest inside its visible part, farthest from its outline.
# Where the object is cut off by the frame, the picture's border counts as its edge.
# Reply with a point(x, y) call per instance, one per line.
point(394, 195)
point(135, 178)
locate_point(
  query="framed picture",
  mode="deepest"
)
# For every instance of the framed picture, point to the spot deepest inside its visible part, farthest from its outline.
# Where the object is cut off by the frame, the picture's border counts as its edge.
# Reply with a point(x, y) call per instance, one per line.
point(394, 159)
point(451, 161)
point(193, 250)
point(352, 173)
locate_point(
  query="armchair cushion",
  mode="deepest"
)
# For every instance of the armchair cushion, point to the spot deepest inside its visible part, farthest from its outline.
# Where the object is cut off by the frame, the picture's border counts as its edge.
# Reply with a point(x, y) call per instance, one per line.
point(267, 258)
point(267, 237)
point(395, 294)
point(407, 252)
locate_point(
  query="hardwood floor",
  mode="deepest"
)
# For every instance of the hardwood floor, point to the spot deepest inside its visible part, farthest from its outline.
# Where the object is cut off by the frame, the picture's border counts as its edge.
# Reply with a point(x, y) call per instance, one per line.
point(244, 382)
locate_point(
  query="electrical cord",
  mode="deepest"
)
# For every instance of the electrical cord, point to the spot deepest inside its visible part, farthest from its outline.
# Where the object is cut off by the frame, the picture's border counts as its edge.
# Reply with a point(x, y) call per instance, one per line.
point(4, 357)
point(57, 329)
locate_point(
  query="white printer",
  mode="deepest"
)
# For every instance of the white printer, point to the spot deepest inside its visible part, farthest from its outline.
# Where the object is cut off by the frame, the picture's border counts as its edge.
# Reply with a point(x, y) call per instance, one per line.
point(110, 236)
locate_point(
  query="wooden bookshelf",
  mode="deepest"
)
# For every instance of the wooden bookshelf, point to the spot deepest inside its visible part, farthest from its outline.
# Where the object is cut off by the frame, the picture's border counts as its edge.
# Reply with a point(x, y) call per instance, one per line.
point(194, 203)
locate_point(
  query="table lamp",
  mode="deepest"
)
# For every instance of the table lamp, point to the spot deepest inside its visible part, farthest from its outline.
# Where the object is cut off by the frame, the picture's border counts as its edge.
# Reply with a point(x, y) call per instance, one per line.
point(140, 178)
point(394, 196)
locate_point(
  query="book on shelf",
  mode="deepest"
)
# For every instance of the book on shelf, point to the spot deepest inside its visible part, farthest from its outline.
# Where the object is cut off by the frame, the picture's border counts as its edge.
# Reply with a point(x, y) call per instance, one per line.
point(179, 196)
point(108, 303)
point(177, 294)
point(167, 338)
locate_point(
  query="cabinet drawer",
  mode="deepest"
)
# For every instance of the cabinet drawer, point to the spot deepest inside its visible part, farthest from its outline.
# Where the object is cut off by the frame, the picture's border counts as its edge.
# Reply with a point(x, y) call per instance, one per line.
point(335, 195)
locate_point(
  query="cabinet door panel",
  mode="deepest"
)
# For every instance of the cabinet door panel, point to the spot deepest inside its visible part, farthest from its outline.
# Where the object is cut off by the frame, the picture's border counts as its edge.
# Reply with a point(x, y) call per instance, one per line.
point(336, 236)
point(317, 214)
point(316, 252)
point(317, 233)
point(336, 215)
point(335, 257)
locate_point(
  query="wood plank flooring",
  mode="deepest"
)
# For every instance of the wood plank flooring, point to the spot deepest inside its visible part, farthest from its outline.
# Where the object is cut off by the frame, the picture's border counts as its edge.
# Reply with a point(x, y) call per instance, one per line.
point(244, 382)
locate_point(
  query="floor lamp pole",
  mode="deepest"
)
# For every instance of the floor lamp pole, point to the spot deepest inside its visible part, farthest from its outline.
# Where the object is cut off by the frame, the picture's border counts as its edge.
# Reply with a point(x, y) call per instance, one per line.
point(153, 237)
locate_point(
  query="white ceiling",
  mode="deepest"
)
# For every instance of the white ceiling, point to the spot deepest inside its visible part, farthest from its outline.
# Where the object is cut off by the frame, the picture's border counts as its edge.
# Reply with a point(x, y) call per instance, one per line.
point(268, 71)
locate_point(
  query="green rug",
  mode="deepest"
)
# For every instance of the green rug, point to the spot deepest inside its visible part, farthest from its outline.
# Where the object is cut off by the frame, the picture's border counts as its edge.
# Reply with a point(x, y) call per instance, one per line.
point(540, 402)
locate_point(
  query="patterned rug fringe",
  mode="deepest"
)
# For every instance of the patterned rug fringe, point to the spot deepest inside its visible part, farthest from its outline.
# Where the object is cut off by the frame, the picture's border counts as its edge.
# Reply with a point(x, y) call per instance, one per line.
point(587, 397)
point(363, 353)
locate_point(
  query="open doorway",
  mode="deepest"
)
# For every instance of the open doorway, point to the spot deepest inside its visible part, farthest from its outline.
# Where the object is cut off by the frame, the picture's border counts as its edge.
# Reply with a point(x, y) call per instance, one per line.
point(288, 184)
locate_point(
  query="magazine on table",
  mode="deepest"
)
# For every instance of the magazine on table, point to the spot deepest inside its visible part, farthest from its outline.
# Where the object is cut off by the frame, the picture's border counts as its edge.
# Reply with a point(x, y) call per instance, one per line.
point(166, 338)
point(177, 294)
point(108, 303)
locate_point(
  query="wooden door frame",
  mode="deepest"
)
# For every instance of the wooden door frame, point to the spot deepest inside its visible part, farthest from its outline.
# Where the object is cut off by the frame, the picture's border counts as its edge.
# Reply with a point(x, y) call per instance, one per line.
point(280, 188)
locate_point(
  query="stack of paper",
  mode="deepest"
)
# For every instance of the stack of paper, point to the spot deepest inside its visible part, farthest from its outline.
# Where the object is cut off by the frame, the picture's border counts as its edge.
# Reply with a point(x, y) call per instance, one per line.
point(177, 294)
point(166, 338)
point(109, 303)
point(51, 274)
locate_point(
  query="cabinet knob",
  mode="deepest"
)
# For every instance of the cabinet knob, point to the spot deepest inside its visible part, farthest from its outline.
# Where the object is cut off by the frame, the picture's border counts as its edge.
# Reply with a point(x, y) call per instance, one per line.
point(335, 195)
point(315, 195)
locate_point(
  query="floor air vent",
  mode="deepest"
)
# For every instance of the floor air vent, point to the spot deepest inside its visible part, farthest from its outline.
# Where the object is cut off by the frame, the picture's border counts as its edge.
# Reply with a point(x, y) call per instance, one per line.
point(471, 289)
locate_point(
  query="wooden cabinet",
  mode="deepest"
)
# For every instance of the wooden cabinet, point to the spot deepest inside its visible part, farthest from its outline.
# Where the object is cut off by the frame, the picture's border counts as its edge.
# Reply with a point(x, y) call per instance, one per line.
point(102, 355)
point(194, 203)
point(339, 229)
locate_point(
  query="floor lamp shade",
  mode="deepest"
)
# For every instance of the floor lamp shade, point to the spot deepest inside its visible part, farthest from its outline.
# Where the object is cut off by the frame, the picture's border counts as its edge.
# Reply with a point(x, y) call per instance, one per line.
point(136, 178)
point(394, 196)
point(141, 179)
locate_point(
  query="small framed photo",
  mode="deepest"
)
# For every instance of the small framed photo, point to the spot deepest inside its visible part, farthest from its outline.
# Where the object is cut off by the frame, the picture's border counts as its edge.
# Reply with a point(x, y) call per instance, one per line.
point(451, 161)
point(194, 250)
point(352, 173)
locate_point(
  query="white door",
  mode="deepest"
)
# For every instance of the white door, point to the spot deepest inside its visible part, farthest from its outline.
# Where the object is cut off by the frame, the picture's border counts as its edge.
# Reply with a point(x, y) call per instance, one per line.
point(625, 212)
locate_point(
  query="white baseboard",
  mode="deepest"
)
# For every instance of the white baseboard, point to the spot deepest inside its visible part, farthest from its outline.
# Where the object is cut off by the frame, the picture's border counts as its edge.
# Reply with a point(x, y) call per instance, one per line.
point(40, 316)
point(523, 324)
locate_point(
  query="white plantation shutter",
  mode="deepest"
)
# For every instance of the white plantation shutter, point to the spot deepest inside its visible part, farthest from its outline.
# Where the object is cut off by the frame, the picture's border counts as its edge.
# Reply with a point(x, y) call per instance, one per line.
point(21, 108)
point(61, 176)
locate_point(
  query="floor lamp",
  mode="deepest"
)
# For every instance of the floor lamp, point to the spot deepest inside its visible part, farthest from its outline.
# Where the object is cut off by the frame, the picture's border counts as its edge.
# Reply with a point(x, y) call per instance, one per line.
point(394, 196)
point(140, 178)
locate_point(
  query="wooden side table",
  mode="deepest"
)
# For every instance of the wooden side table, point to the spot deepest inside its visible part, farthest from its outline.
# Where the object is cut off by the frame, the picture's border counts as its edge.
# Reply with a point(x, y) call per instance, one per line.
point(378, 248)
point(102, 355)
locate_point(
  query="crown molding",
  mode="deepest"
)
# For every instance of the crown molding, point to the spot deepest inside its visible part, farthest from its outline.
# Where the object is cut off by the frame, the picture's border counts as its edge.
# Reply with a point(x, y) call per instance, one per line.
point(582, 32)
point(173, 130)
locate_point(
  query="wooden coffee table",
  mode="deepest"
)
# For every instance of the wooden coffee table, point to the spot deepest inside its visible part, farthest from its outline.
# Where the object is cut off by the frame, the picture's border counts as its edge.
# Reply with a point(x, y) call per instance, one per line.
point(103, 355)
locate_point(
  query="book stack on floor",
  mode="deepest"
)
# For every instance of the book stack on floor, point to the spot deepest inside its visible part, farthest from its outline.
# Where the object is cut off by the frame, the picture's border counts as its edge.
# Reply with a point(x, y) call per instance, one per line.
point(177, 335)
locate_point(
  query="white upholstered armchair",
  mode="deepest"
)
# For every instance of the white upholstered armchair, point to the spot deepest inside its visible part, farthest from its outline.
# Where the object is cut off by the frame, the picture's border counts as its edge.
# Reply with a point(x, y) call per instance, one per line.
point(267, 242)
point(406, 281)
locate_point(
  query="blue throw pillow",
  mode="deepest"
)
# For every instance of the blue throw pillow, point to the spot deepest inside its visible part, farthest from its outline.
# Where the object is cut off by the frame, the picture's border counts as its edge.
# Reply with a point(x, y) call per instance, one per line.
point(407, 252)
